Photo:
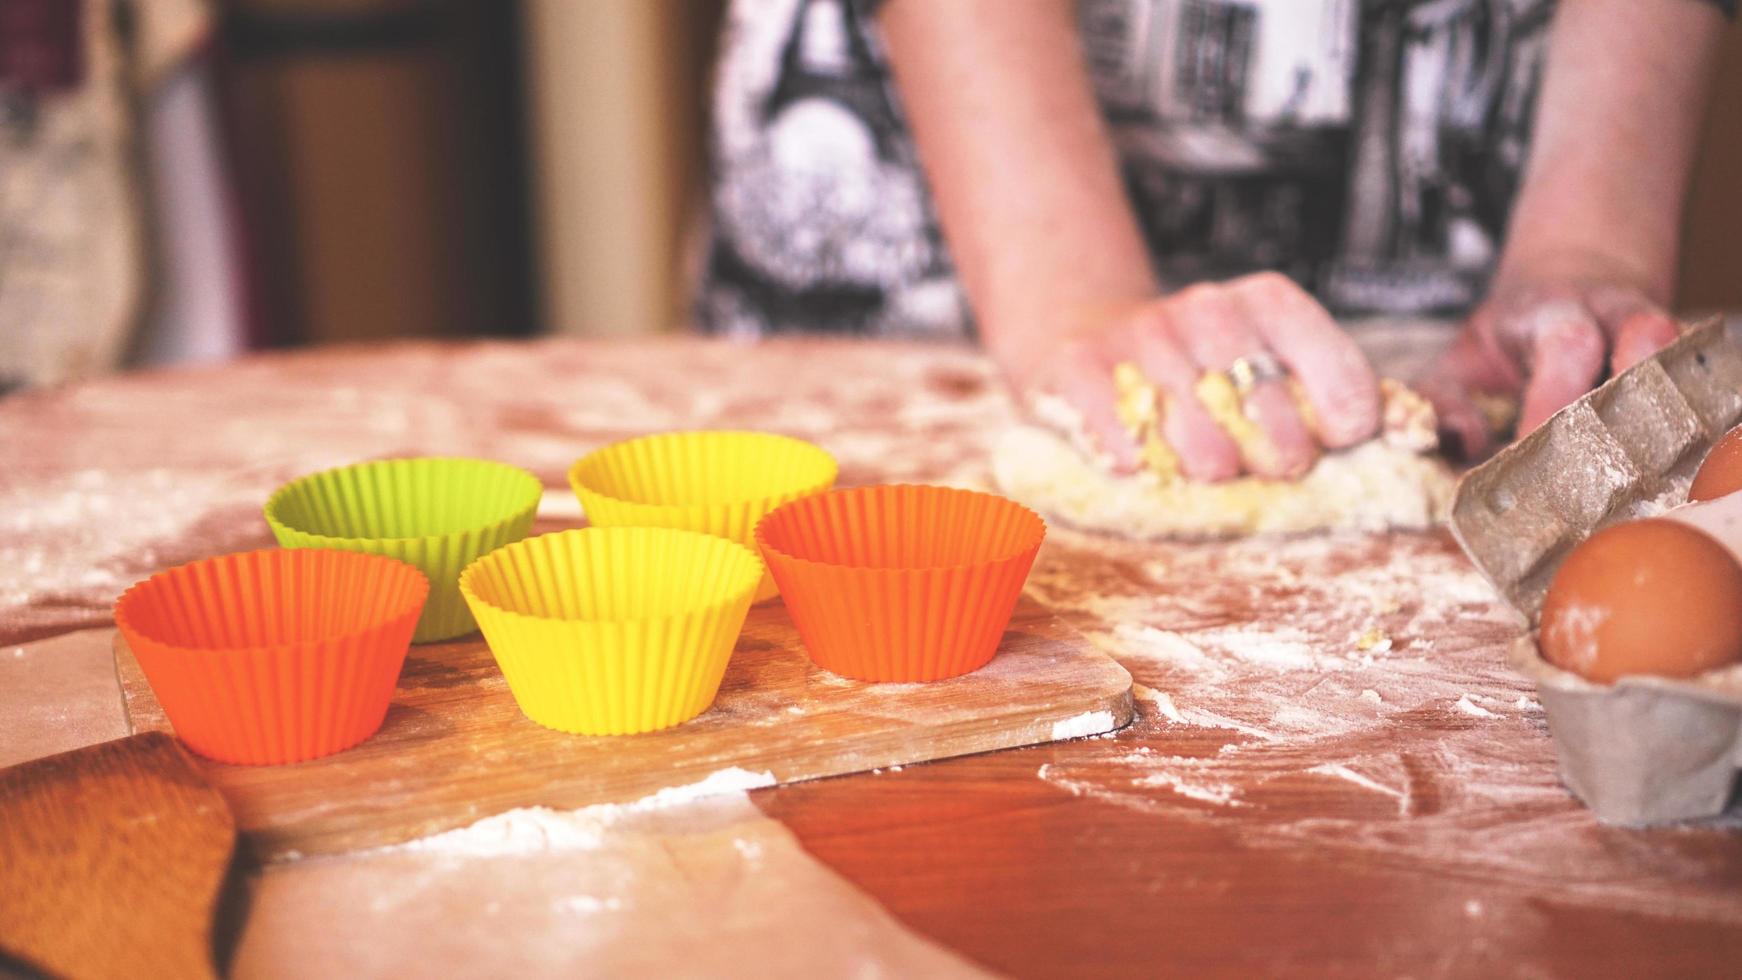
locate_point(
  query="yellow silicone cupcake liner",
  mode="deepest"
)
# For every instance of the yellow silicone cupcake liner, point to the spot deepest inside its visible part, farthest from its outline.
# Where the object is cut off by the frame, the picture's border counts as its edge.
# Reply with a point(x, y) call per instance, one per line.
point(613, 631)
point(715, 482)
point(435, 513)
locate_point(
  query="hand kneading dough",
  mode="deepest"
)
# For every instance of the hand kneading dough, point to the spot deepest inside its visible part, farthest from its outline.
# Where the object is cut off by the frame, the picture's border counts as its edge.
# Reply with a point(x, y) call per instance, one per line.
point(1384, 483)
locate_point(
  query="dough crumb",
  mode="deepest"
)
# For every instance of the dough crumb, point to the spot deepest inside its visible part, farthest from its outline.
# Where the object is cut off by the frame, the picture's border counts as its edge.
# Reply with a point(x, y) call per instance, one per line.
point(1473, 709)
point(1374, 640)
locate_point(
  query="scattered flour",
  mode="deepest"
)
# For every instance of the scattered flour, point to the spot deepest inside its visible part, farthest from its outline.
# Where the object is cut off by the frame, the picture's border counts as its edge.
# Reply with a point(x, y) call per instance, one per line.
point(729, 780)
point(1374, 661)
point(1087, 723)
point(588, 904)
point(537, 828)
point(1344, 772)
point(1472, 709)
point(107, 481)
point(1221, 794)
point(523, 831)
point(68, 537)
point(1575, 630)
point(1163, 703)
point(1243, 647)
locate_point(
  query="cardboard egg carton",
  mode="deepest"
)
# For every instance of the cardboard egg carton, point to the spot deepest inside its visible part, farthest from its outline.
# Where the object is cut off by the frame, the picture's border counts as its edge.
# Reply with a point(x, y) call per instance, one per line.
point(1644, 749)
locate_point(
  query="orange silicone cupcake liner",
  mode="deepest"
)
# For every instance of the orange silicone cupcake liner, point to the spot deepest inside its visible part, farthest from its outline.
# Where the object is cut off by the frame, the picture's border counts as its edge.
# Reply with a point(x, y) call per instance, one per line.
point(274, 656)
point(901, 583)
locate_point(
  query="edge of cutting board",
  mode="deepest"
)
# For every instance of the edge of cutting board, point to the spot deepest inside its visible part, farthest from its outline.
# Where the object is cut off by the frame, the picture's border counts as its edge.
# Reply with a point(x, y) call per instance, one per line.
point(455, 748)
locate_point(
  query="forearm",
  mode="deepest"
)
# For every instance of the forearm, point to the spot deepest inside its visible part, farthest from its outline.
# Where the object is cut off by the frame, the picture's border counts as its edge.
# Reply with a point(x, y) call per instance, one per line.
point(1623, 99)
point(1025, 179)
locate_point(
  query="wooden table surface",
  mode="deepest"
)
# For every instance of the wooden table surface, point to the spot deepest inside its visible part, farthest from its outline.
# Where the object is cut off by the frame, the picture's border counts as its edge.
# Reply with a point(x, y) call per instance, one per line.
point(1333, 772)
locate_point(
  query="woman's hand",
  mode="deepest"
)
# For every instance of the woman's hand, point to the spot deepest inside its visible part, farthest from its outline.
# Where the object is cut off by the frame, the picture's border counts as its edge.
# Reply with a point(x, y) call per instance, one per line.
point(1542, 341)
point(1028, 190)
point(1300, 384)
point(1590, 256)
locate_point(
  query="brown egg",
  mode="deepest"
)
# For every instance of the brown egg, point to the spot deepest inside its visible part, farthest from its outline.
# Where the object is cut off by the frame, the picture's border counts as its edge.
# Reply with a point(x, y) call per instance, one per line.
point(1646, 597)
point(1721, 473)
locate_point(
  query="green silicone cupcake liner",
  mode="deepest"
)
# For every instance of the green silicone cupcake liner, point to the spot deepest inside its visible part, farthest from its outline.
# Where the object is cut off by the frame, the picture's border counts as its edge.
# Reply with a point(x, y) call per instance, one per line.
point(438, 514)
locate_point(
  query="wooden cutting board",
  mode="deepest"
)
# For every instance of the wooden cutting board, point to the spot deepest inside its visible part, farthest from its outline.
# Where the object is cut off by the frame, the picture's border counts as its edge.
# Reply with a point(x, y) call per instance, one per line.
point(455, 747)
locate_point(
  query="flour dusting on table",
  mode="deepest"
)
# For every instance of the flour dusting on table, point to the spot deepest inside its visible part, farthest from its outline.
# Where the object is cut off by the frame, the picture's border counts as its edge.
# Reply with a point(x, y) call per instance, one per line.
point(1343, 695)
point(698, 883)
point(103, 483)
point(536, 828)
point(1279, 665)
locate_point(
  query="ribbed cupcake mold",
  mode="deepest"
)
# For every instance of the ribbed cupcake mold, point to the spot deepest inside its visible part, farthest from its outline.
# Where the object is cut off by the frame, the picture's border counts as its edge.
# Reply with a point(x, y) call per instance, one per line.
point(613, 631)
point(901, 583)
point(274, 656)
point(436, 513)
point(715, 482)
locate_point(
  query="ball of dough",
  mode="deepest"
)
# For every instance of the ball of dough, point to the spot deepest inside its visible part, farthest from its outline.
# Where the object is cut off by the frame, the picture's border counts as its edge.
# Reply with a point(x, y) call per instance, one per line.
point(1646, 597)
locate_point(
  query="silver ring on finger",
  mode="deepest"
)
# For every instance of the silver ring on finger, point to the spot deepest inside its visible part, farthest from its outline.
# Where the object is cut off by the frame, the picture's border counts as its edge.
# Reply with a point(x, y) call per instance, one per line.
point(1248, 372)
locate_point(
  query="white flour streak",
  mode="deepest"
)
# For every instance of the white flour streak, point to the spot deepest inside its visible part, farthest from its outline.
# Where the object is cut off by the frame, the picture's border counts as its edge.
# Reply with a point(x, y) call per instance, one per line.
point(729, 780)
point(588, 904)
point(1473, 709)
point(1162, 702)
point(532, 829)
point(1221, 794)
point(1179, 775)
point(524, 831)
point(1087, 723)
point(1344, 772)
point(1575, 631)
point(1158, 645)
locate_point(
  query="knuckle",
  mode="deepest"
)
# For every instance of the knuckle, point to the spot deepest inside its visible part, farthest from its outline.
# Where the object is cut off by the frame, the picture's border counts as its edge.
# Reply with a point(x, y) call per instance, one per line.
point(1657, 326)
point(1079, 357)
point(1149, 320)
point(1272, 285)
point(1192, 297)
point(1571, 338)
point(1200, 298)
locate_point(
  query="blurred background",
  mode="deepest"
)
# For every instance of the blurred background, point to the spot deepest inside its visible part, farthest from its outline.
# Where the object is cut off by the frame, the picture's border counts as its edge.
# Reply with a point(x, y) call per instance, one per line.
point(185, 180)
point(225, 176)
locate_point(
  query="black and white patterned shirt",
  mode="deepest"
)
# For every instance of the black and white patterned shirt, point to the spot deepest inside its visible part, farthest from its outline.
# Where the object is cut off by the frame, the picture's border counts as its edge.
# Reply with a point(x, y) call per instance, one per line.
point(1370, 149)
